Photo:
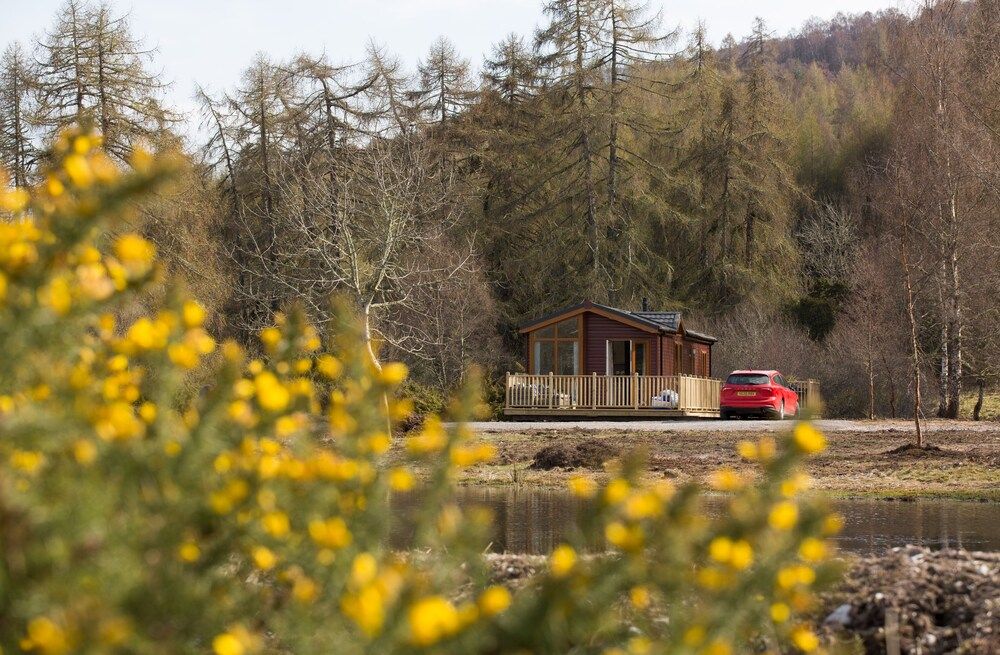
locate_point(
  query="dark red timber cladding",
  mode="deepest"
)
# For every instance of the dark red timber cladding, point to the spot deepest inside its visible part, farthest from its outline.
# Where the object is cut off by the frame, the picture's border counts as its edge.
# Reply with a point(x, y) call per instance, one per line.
point(598, 330)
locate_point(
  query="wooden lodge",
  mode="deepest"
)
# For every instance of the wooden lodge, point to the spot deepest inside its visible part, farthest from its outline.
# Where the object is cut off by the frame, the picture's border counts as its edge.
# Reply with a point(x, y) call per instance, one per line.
point(592, 360)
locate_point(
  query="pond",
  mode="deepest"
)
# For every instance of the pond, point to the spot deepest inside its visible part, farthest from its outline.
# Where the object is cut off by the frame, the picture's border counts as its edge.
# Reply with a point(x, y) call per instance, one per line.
point(533, 521)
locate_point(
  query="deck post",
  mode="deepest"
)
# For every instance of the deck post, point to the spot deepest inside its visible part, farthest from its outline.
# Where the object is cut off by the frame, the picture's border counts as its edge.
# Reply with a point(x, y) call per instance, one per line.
point(506, 388)
point(635, 389)
point(593, 390)
point(551, 392)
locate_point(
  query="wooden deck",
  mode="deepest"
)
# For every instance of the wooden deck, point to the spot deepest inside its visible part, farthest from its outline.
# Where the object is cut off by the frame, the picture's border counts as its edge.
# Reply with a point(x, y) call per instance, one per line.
point(610, 396)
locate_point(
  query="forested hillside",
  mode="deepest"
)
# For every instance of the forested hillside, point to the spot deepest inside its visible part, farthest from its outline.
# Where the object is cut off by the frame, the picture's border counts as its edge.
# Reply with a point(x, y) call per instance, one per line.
point(825, 202)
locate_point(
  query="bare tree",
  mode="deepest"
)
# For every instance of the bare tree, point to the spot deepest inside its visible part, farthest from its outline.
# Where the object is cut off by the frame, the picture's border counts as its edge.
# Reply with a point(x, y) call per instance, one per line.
point(91, 66)
point(17, 89)
point(392, 223)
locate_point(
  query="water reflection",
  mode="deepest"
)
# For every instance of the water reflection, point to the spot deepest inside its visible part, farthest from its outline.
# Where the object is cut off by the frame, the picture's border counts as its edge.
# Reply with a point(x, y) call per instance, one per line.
point(535, 520)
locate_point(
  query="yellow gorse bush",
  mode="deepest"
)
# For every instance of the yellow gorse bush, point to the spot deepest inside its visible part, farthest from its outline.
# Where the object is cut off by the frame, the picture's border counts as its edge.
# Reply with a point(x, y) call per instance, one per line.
point(253, 515)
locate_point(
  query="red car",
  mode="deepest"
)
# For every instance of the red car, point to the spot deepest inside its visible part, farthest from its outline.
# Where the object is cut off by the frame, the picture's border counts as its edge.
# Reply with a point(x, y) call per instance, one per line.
point(757, 393)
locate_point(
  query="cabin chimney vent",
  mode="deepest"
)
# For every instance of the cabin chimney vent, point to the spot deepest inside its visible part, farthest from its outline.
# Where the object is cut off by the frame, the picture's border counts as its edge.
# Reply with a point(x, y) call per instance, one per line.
point(645, 304)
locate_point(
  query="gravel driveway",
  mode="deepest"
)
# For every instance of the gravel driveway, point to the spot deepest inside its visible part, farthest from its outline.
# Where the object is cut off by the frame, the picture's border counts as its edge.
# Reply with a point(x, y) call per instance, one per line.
point(703, 425)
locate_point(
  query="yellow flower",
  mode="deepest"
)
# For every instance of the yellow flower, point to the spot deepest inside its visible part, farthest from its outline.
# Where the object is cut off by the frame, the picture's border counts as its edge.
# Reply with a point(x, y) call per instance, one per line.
point(804, 639)
point(582, 487)
point(783, 515)
point(147, 335)
point(432, 619)
point(147, 411)
point(721, 549)
point(264, 558)
point(791, 576)
point(135, 253)
point(626, 538)
point(3, 286)
point(189, 552)
point(795, 484)
point(639, 597)
point(227, 644)
point(84, 451)
point(400, 479)
point(286, 426)
point(328, 366)
point(271, 394)
point(742, 555)
point(331, 533)
point(54, 186)
point(270, 337)
point(393, 373)
point(244, 388)
point(643, 505)
point(832, 524)
point(363, 569)
point(57, 296)
point(748, 450)
point(46, 636)
point(780, 612)
point(379, 443)
point(117, 421)
point(725, 479)
point(562, 560)
point(183, 355)
point(430, 440)
point(28, 461)
point(14, 200)
point(193, 314)
point(276, 524)
point(304, 590)
point(494, 600)
point(694, 636)
point(808, 439)
point(718, 647)
point(639, 646)
point(812, 550)
point(616, 491)
point(79, 171)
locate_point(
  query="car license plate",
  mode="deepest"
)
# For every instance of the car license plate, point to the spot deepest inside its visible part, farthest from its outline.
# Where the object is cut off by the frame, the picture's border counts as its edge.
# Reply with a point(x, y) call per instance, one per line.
point(746, 393)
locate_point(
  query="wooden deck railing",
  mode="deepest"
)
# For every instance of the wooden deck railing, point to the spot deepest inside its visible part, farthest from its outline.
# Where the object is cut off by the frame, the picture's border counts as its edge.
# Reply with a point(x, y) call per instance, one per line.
point(595, 392)
point(809, 395)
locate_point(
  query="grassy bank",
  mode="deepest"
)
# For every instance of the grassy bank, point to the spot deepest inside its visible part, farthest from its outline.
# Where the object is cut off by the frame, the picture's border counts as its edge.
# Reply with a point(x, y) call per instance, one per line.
point(859, 464)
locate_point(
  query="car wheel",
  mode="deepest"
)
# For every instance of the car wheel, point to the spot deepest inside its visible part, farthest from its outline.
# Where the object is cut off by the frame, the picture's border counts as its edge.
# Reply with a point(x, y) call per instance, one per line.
point(781, 412)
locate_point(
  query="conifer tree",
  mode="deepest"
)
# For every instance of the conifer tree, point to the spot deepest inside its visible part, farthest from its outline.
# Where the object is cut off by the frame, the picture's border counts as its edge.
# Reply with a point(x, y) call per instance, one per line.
point(17, 87)
point(91, 66)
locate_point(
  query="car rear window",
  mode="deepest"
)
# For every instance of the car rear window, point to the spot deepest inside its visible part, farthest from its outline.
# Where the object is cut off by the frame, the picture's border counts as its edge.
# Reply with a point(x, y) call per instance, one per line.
point(747, 378)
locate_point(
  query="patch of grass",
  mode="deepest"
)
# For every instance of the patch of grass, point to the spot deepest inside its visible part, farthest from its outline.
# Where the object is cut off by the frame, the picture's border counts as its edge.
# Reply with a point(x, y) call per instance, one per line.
point(991, 404)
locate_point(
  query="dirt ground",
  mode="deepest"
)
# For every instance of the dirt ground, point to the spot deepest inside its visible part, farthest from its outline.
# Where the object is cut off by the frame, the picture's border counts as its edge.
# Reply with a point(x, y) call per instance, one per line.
point(940, 601)
point(862, 458)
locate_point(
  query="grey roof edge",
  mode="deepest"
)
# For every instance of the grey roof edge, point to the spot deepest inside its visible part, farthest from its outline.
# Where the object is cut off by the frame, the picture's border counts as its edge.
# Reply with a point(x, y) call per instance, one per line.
point(632, 316)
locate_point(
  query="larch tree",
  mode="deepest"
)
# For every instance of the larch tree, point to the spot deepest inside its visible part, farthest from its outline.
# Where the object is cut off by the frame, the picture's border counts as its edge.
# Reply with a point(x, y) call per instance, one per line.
point(91, 67)
point(17, 105)
point(571, 52)
point(445, 86)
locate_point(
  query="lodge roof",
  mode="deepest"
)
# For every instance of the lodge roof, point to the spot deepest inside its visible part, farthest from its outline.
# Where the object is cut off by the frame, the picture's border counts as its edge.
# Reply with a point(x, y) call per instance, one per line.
point(669, 322)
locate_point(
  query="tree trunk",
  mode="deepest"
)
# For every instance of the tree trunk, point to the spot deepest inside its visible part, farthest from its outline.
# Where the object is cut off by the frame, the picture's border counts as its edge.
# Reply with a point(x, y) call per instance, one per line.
point(979, 400)
point(870, 367)
point(581, 91)
point(911, 314)
point(748, 254)
point(954, 305)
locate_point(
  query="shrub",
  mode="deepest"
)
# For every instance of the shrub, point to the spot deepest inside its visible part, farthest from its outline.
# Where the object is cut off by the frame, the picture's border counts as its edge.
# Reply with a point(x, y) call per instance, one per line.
point(253, 516)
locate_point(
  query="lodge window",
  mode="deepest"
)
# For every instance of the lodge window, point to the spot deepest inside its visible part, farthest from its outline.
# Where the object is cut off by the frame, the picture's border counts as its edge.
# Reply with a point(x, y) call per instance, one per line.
point(556, 348)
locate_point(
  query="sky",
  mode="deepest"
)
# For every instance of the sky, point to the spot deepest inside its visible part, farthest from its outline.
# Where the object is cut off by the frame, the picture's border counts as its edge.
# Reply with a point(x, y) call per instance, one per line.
point(210, 42)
